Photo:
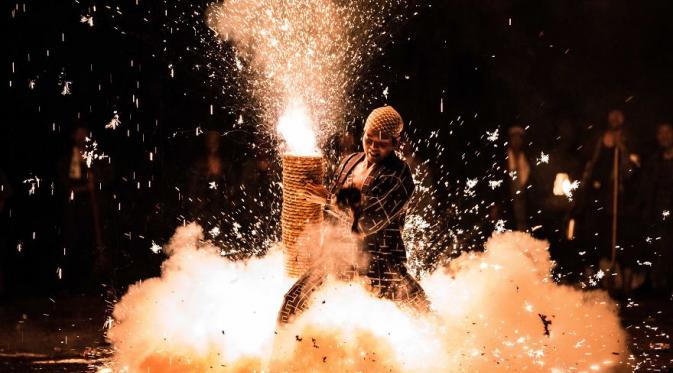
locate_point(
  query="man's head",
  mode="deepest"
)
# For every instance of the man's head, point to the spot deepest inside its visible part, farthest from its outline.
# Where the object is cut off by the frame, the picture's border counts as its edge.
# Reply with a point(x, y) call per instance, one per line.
point(615, 119)
point(515, 137)
point(382, 133)
point(212, 141)
point(665, 135)
point(346, 142)
point(79, 136)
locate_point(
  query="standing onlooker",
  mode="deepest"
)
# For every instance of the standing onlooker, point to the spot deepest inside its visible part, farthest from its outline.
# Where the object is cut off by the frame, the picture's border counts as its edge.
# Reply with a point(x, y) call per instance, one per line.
point(655, 204)
point(347, 144)
point(210, 185)
point(513, 204)
point(81, 220)
point(595, 204)
point(5, 193)
point(554, 195)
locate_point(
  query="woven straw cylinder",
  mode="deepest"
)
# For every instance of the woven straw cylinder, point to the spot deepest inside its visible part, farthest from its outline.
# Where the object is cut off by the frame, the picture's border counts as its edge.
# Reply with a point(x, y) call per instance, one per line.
point(297, 214)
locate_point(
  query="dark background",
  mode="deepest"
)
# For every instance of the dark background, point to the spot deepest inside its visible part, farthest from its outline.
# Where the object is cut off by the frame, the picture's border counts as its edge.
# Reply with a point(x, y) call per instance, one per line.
point(557, 61)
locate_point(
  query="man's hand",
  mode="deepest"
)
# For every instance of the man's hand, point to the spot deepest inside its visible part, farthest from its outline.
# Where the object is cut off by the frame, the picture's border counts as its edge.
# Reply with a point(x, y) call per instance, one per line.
point(316, 193)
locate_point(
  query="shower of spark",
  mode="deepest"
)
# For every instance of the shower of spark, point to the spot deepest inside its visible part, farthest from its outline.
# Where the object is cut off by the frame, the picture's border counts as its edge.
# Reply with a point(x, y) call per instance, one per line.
point(303, 51)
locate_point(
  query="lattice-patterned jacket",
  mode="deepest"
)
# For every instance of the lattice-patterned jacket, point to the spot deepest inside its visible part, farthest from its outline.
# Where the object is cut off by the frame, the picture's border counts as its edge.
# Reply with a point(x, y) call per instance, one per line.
point(385, 194)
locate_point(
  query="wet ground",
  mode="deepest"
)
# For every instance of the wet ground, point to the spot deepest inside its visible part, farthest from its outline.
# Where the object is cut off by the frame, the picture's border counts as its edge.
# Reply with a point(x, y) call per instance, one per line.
point(649, 322)
point(67, 334)
point(64, 334)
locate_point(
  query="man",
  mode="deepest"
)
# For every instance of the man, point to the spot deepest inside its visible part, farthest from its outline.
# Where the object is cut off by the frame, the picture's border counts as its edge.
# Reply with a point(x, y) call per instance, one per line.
point(612, 162)
point(81, 231)
point(554, 204)
point(385, 185)
point(209, 186)
point(5, 195)
point(655, 204)
point(518, 168)
point(512, 200)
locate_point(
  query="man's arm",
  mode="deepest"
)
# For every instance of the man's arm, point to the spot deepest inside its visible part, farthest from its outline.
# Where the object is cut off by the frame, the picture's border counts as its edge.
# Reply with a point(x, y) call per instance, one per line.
point(326, 196)
point(386, 200)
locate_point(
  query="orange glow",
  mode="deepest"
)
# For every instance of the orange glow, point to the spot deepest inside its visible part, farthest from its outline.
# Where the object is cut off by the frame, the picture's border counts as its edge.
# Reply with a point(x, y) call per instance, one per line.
point(563, 186)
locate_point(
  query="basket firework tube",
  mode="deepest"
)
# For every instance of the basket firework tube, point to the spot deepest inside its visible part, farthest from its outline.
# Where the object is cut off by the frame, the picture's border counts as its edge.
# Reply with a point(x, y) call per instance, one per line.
point(297, 213)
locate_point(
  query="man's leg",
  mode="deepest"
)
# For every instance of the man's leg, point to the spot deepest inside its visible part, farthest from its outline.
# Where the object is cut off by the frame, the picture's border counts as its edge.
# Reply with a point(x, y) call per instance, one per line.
point(399, 286)
point(411, 294)
point(298, 297)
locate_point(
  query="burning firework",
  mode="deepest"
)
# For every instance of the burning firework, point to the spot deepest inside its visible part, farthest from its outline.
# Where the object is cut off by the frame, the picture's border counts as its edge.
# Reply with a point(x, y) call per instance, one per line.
point(298, 213)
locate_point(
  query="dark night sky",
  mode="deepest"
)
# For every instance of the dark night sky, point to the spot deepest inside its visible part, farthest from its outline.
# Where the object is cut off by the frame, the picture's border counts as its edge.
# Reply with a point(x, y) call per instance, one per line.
point(558, 60)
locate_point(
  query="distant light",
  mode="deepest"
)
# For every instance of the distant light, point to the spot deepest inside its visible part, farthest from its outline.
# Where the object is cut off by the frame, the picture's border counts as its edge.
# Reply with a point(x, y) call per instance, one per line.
point(563, 186)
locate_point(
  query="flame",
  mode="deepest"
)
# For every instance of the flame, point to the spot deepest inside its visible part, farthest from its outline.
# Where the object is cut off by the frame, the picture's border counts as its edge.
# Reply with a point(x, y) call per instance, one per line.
point(296, 129)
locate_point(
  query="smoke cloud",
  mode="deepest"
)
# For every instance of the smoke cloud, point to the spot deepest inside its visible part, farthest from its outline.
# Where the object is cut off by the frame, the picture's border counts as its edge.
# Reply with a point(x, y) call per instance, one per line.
point(496, 310)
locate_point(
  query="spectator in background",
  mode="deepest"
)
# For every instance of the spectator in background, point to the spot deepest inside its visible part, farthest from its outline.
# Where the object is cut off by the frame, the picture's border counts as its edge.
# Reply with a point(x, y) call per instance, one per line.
point(5, 194)
point(210, 184)
point(5, 191)
point(421, 200)
point(347, 143)
point(513, 202)
point(253, 200)
point(82, 245)
point(553, 191)
point(595, 207)
point(655, 205)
